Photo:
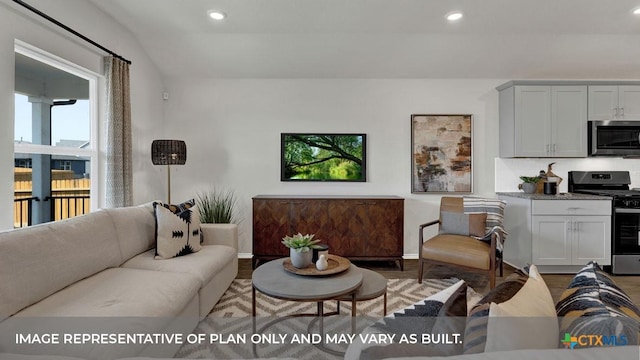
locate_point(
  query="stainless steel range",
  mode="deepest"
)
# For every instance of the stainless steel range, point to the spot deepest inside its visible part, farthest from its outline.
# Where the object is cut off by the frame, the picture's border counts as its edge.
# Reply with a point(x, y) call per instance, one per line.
point(626, 214)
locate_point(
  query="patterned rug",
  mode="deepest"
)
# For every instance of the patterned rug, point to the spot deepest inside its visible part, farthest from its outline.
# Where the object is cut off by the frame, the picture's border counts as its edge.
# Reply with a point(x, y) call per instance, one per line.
point(232, 315)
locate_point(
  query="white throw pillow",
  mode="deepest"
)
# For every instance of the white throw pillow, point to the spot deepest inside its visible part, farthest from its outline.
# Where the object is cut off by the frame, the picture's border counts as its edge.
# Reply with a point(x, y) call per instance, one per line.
point(526, 321)
point(176, 234)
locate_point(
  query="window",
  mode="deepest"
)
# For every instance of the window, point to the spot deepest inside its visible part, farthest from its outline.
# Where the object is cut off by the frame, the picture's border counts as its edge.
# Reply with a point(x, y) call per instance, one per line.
point(55, 137)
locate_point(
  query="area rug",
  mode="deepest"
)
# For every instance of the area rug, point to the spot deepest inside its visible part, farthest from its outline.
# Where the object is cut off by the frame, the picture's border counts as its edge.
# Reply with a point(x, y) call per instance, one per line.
point(232, 315)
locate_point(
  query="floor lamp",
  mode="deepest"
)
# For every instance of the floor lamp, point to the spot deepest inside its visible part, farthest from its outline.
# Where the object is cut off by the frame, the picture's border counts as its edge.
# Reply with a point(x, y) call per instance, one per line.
point(168, 152)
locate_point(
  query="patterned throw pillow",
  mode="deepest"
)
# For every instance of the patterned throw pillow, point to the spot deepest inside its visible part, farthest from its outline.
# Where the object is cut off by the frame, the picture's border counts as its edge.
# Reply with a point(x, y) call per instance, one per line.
point(177, 234)
point(179, 207)
point(441, 314)
point(594, 304)
point(503, 319)
point(462, 224)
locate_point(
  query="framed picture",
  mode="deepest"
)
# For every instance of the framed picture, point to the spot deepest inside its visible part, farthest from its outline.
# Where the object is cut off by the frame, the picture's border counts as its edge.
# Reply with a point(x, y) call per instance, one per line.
point(441, 159)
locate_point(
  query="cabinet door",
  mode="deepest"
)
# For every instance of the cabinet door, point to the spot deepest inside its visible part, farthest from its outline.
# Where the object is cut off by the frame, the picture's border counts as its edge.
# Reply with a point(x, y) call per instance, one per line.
point(603, 102)
point(271, 222)
point(349, 218)
point(532, 121)
point(384, 233)
point(569, 121)
point(591, 240)
point(629, 102)
point(551, 241)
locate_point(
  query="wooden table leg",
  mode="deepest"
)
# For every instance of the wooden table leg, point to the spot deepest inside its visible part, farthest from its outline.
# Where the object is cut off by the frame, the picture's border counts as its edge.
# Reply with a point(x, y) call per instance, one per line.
point(384, 306)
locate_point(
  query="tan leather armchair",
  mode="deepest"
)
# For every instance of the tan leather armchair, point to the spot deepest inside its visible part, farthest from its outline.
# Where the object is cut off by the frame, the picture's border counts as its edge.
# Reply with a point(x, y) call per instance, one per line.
point(455, 244)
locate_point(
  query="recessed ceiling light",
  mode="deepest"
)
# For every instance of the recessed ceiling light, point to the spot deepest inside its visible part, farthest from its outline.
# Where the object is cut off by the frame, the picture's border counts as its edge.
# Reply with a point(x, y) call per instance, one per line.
point(636, 11)
point(217, 14)
point(454, 15)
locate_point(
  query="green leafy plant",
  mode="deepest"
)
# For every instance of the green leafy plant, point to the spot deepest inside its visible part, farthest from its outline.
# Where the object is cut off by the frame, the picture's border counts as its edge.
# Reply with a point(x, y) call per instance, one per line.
point(530, 179)
point(300, 243)
point(217, 206)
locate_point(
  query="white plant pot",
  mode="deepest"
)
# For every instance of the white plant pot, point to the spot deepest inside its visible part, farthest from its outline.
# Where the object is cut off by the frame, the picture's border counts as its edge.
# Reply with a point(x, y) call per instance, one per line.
point(529, 188)
point(300, 259)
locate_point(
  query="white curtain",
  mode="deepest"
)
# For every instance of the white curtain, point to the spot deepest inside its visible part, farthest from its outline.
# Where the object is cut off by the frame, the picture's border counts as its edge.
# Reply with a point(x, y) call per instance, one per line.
point(119, 174)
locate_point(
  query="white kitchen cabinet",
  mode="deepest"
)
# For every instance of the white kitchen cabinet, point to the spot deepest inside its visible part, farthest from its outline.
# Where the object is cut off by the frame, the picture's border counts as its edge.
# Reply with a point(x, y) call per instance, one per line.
point(571, 240)
point(613, 102)
point(543, 121)
point(558, 236)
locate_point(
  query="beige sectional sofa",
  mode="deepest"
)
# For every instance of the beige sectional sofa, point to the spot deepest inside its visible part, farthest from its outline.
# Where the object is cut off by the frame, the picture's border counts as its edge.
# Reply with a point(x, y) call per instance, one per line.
point(101, 265)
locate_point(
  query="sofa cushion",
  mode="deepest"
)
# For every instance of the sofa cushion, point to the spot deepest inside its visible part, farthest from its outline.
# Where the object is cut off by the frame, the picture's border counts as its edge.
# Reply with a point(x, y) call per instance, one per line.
point(120, 292)
point(204, 264)
point(114, 301)
point(503, 319)
point(594, 304)
point(136, 229)
point(177, 234)
point(36, 262)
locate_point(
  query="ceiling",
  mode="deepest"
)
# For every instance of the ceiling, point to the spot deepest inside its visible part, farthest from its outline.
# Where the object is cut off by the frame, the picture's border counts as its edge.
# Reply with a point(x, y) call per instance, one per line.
point(510, 39)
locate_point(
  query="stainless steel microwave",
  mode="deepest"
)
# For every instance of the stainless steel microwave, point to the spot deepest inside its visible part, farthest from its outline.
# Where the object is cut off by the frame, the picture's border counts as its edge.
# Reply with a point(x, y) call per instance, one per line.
point(614, 138)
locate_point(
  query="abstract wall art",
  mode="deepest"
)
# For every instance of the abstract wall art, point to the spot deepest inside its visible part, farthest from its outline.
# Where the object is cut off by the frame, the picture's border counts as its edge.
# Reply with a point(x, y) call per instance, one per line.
point(441, 160)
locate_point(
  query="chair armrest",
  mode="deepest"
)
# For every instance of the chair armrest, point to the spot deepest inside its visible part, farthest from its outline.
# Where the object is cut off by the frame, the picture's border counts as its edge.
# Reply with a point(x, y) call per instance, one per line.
point(421, 229)
point(220, 234)
point(422, 226)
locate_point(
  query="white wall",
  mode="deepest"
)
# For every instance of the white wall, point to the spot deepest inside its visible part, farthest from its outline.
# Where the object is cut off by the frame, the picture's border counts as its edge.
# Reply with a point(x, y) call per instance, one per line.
point(508, 171)
point(232, 129)
point(146, 82)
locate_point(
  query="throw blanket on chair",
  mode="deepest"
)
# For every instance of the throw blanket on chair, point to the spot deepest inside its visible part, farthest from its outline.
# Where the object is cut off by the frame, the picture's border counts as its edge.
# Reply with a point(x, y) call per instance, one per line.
point(494, 208)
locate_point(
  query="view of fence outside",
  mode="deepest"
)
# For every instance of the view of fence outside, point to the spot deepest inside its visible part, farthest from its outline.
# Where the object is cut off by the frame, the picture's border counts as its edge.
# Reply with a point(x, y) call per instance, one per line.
point(70, 198)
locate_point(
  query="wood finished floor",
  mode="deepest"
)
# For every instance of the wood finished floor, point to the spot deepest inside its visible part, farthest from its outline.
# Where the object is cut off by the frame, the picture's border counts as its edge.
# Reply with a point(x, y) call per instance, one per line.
point(557, 283)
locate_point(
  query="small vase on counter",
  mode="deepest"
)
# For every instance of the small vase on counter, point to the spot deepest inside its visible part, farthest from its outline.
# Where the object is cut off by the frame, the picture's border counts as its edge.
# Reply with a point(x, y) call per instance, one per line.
point(322, 263)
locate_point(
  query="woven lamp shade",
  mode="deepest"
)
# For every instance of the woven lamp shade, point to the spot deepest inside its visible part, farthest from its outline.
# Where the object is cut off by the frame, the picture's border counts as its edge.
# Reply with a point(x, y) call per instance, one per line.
point(168, 152)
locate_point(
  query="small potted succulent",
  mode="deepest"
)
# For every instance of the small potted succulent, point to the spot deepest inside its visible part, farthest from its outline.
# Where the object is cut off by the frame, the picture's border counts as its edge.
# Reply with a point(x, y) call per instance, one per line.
point(300, 247)
point(529, 184)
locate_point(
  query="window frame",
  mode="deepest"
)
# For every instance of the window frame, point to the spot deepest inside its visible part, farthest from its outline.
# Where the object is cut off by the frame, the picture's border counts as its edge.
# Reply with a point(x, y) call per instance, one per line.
point(92, 152)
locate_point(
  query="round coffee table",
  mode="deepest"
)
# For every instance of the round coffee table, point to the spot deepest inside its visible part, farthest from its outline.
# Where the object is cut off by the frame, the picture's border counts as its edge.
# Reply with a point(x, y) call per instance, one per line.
point(273, 280)
point(373, 286)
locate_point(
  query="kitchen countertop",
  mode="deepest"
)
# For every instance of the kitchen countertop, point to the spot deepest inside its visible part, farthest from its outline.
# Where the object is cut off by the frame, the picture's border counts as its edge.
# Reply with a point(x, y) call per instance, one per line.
point(561, 196)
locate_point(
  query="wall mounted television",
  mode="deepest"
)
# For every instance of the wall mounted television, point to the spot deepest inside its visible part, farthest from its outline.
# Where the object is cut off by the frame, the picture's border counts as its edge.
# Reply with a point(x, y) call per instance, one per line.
point(323, 157)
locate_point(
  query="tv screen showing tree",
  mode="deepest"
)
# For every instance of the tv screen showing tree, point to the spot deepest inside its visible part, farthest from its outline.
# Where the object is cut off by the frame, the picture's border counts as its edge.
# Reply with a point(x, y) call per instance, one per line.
point(323, 157)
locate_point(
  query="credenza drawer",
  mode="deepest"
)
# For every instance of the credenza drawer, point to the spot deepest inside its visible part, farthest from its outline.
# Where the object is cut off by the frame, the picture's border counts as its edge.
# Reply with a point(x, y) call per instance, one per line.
point(571, 207)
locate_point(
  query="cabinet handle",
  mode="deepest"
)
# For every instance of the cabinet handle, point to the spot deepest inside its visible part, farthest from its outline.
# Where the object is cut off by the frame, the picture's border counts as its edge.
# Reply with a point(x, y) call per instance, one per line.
point(615, 113)
point(554, 148)
point(622, 113)
point(548, 148)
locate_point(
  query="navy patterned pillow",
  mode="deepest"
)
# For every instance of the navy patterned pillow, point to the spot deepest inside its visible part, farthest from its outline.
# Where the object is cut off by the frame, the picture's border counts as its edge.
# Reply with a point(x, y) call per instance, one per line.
point(438, 314)
point(177, 234)
point(594, 304)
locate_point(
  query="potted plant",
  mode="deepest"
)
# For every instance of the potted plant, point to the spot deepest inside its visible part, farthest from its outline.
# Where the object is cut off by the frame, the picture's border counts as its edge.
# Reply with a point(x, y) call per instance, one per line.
point(529, 184)
point(217, 210)
point(300, 247)
point(217, 206)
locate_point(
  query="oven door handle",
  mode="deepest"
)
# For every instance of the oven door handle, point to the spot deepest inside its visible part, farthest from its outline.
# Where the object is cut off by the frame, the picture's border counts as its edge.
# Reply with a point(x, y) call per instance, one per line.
point(626, 211)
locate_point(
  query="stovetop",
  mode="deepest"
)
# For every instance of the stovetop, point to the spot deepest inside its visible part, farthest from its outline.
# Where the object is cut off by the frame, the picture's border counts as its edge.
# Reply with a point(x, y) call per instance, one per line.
point(615, 193)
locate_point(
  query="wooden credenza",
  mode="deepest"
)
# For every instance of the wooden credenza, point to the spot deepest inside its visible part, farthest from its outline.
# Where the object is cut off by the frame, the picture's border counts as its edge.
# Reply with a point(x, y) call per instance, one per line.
point(356, 227)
